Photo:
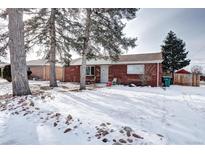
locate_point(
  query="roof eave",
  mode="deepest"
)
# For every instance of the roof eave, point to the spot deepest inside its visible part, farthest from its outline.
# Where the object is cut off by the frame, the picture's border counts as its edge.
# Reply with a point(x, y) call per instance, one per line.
point(118, 63)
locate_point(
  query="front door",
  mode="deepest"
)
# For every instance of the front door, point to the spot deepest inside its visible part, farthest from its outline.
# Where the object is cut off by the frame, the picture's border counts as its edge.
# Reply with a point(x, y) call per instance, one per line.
point(104, 73)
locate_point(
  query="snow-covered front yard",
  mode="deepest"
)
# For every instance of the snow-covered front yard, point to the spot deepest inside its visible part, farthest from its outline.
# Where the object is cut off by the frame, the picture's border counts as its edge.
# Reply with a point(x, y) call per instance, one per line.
point(102, 115)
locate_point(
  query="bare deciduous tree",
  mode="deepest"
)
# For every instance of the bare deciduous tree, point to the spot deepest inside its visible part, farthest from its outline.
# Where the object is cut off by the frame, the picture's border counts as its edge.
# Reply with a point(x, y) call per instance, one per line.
point(20, 84)
point(196, 69)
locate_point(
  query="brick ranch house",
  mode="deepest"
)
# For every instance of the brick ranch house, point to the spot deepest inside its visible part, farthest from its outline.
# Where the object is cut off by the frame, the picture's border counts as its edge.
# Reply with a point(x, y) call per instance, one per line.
point(40, 69)
point(140, 69)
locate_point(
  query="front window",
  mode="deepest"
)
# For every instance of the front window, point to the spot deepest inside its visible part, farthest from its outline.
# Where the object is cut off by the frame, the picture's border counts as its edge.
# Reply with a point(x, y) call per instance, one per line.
point(90, 70)
point(135, 69)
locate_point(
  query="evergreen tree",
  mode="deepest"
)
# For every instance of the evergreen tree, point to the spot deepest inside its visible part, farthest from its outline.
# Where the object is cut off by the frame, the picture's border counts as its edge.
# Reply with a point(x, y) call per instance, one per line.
point(174, 53)
point(94, 33)
point(51, 30)
point(4, 33)
point(48, 31)
point(100, 35)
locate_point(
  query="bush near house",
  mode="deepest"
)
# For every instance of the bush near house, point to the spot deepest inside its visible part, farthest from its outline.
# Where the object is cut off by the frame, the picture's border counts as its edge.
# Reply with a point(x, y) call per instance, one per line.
point(29, 72)
point(202, 78)
point(7, 73)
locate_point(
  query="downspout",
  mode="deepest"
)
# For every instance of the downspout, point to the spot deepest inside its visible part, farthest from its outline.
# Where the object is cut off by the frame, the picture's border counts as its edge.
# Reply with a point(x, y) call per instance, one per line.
point(63, 73)
point(157, 74)
point(44, 72)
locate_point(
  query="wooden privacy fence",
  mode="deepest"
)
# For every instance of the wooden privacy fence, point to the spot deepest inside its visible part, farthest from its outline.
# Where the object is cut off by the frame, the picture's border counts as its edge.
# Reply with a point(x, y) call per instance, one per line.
point(59, 73)
point(187, 79)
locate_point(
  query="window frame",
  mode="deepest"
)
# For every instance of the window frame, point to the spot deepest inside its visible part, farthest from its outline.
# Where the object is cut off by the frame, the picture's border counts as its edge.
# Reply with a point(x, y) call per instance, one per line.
point(90, 71)
point(136, 73)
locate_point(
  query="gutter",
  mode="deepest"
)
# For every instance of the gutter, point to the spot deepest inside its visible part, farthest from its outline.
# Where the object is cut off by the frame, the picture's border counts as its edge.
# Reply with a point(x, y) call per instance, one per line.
point(118, 63)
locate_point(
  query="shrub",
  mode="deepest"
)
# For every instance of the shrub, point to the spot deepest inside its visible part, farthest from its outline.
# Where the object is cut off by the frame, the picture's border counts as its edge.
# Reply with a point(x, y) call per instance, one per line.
point(29, 72)
point(7, 73)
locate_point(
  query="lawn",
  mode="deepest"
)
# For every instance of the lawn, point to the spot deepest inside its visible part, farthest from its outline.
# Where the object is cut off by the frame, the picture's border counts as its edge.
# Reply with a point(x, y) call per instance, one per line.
point(102, 115)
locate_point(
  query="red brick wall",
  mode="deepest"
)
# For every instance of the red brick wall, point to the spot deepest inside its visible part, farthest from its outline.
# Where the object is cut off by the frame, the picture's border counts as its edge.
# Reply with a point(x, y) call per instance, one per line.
point(120, 72)
point(72, 74)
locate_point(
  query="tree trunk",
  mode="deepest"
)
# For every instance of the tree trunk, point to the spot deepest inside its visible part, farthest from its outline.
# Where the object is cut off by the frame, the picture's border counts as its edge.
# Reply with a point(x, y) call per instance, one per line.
point(85, 50)
point(83, 73)
point(173, 76)
point(20, 84)
point(52, 53)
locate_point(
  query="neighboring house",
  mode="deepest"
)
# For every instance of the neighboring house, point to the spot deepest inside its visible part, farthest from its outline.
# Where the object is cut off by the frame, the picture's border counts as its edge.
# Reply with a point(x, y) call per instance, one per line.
point(182, 71)
point(186, 78)
point(140, 69)
point(40, 69)
point(2, 65)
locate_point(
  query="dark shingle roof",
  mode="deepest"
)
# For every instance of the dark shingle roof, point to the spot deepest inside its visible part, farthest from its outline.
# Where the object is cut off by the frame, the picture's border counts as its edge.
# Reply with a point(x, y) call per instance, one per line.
point(141, 57)
point(124, 59)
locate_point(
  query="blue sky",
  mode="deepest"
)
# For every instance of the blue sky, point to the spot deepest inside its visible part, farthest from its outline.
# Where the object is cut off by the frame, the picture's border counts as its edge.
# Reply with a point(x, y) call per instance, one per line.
point(152, 25)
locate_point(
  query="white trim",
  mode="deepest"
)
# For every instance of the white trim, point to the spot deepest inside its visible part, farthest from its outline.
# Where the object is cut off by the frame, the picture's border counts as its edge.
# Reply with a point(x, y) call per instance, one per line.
point(90, 71)
point(157, 74)
point(115, 63)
